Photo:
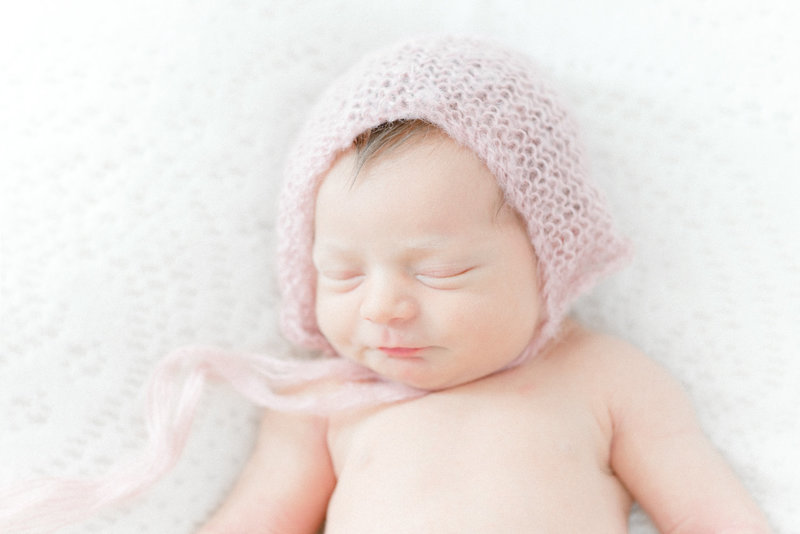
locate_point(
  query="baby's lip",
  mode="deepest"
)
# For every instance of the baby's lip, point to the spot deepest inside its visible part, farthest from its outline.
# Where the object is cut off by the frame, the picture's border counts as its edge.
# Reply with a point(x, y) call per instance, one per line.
point(402, 352)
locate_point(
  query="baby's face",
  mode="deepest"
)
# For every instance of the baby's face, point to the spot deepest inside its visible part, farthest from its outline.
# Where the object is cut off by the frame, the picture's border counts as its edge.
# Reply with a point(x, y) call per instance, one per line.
point(422, 276)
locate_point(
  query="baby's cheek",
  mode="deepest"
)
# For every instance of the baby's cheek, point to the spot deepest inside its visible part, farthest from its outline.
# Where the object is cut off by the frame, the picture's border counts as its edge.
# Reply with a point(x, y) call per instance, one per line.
point(460, 315)
point(492, 318)
point(330, 317)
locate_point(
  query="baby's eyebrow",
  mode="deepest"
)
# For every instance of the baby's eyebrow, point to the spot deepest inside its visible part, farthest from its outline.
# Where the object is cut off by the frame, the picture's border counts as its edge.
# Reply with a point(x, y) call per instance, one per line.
point(328, 248)
point(430, 243)
point(424, 246)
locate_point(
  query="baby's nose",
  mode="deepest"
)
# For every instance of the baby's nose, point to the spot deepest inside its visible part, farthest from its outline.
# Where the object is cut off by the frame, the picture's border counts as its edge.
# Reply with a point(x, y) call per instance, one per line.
point(386, 301)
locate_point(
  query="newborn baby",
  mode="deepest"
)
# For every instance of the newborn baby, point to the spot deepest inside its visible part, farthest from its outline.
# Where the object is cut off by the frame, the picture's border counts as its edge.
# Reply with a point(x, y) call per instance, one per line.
point(436, 225)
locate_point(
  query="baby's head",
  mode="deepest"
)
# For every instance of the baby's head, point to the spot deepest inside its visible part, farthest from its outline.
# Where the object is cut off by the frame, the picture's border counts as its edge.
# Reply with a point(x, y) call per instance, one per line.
point(491, 176)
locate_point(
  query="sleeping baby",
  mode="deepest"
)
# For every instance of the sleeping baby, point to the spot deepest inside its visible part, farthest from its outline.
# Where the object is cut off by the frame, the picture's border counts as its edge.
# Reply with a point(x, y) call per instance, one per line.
point(435, 225)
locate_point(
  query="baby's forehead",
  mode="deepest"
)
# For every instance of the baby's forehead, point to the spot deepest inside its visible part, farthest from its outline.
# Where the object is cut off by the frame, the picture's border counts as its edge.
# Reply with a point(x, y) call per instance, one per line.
point(440, 182)
point(426, 158)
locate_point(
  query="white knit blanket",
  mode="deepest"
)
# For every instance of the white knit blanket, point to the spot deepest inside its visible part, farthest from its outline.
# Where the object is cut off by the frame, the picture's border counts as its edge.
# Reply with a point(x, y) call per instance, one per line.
point(141, 145)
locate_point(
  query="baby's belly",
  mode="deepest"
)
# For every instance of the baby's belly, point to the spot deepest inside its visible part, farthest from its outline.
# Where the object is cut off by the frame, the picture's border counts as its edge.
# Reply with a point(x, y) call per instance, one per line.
point(472, 474)
point(474, 501)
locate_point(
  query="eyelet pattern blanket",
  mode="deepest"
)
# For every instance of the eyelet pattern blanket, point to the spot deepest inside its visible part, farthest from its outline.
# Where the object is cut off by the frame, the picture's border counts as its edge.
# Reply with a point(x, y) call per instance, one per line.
point(141, 147)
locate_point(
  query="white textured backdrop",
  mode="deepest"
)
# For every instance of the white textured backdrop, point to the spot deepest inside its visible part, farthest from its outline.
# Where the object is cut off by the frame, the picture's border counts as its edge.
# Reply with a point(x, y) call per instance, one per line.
point(141, 144)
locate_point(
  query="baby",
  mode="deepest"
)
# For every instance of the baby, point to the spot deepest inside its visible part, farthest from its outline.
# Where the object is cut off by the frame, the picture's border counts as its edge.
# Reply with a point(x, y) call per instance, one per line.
point(436, 224)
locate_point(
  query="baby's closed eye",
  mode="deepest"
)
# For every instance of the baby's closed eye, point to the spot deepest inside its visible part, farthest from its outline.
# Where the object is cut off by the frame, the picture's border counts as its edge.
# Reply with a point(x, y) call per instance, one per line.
point(443, 277)
point(340, 279)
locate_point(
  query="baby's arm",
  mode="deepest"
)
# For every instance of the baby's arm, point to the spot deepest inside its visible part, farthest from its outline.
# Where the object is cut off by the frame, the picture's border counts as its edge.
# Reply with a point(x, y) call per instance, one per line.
point(286, 484)
point(666, 462)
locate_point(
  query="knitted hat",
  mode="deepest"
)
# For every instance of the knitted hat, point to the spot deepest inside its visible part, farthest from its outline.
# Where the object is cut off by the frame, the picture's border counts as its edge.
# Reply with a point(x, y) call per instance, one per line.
point(488, 99)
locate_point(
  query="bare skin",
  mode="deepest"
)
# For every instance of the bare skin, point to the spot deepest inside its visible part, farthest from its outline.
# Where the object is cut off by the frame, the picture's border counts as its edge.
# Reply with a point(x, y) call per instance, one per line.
point(515, 452)
point(564, 442)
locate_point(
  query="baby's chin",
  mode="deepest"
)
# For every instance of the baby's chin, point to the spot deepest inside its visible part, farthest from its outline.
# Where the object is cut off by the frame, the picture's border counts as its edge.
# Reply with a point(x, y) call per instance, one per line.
point(424, 371)
point(422, 376)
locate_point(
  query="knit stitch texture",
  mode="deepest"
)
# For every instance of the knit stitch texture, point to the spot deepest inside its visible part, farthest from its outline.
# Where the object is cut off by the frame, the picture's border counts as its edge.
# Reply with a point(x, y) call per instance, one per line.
point(489, 99)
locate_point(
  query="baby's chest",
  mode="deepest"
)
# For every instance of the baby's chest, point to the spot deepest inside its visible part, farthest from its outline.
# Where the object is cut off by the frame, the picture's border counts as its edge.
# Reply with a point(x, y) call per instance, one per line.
point(463, 457)
point(440, 436)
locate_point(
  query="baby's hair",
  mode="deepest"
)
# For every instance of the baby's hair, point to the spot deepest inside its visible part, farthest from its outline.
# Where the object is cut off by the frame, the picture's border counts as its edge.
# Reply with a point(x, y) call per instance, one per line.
point(387, 136)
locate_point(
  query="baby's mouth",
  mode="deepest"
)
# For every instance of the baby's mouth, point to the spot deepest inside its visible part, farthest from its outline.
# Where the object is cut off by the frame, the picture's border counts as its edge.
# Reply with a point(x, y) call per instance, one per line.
point(402, 352)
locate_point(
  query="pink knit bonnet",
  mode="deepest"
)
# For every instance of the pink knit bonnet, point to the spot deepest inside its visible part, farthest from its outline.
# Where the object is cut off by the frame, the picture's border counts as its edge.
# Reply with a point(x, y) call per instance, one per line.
point(488, 99)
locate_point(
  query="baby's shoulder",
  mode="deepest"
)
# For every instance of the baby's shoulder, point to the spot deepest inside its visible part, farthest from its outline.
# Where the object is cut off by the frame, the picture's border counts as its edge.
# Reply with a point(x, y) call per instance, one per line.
point(601, 362)
point(616, 377)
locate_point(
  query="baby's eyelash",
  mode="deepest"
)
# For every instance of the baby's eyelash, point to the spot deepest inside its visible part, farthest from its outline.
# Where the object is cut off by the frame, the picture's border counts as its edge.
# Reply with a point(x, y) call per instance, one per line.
point(444, 273)
point(443, 278)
